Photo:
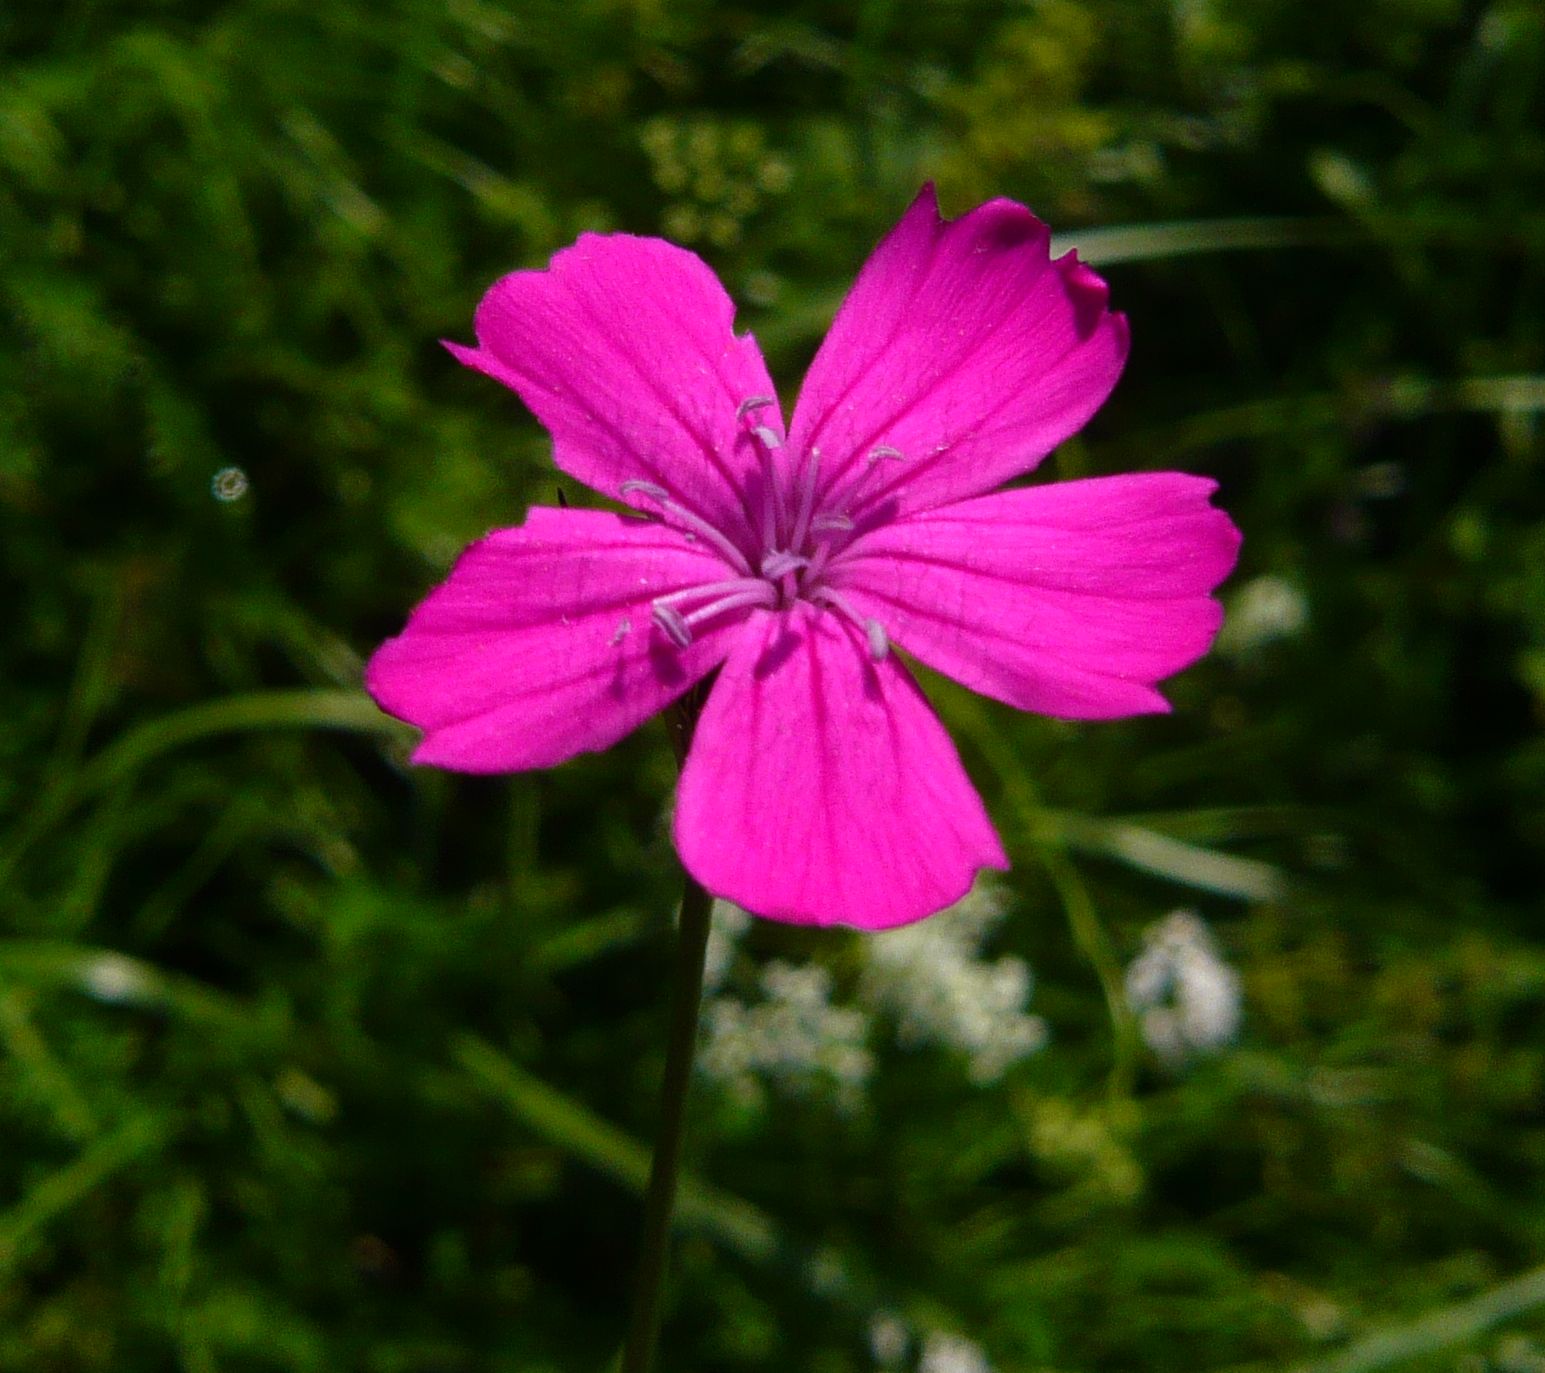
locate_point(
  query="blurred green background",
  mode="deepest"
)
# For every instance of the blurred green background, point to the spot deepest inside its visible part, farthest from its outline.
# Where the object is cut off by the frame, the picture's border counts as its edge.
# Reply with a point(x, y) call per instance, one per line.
point(311, 1061)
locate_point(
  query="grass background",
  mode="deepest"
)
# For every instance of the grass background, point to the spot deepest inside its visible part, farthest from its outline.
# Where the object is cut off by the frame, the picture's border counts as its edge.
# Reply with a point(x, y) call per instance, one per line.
point(309, 1061)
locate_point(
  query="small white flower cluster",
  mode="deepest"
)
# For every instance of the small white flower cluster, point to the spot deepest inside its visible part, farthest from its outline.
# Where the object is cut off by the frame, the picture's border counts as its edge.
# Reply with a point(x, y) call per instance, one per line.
point(793, 1036)
point(1186, 998)
point(927, 977)
point(941, 1351)
point(729, 923)
point(112, 978)
point(946, 1353)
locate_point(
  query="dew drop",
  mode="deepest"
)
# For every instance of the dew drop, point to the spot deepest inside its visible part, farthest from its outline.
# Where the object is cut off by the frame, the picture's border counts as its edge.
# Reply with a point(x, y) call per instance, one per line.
point(229, 484)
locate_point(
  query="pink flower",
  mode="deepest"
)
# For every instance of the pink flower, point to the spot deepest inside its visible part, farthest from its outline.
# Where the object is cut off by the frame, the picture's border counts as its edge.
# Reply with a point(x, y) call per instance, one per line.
point(820, 788)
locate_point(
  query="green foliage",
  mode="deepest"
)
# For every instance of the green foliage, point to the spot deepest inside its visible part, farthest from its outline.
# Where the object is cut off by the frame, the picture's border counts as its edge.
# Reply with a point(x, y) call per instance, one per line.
point(312, 1062)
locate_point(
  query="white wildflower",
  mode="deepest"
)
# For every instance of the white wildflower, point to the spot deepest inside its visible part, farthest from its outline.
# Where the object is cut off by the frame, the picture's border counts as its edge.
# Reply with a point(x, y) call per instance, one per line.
point(929, 976)
point(888, 1339)
point(946, 1353)
point(793, 1037)
point(113, 978)
point(1261, 612)
point(729, 923)
point(1186, 998)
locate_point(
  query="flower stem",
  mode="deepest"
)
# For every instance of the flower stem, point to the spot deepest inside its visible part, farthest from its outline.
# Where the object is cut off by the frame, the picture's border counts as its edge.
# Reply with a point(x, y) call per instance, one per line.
point(686, 996)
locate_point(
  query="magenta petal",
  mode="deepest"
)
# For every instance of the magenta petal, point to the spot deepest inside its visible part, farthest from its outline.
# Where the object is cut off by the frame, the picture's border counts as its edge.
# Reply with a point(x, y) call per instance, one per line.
point(1071, 599)
point(821, 789)
point(625, 349)
point(540, 645)
point(964, 348)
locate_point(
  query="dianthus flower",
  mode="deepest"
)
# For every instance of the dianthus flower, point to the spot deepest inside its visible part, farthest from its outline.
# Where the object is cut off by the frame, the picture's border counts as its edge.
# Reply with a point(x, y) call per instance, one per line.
point(820, 787)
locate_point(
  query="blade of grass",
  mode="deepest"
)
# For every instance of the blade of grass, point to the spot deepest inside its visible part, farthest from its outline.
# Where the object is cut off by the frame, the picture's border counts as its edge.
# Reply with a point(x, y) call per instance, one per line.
point(304, 708)
point(1218, 824)
point(1191, 865)
point(54, 1085)
point(741, 1227)
point(60, 1191)
point(1404, 398)
point(1094, 942)
point(117, 979)
point(1437, 1330)
point(93, 675)
point(602, 1146)
point(1084, 923)
point(587, 939)
point(1185, 238)
point(809, 317)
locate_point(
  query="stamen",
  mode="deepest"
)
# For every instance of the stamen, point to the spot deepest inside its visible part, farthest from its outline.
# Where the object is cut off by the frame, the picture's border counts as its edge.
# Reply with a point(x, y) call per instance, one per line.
point(696, 523)
point(624, 628)
point(763, 595)
point(774, 515)
point(776, 565)
point(772, 498)
point(809, 478)
point(874, 631)
point(672, 624)
point(818, 561)
point(708, 590)
point(831, 523)
point(650, 489)
point(879, 644)
point(847, 489)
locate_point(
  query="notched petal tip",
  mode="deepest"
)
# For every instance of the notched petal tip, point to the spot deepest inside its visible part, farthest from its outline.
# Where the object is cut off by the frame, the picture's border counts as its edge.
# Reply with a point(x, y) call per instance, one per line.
point(927, 197)
point(1006, 226)
point(481, 360)
point(1217, 539)
point(435, 750)
point(1088, 293)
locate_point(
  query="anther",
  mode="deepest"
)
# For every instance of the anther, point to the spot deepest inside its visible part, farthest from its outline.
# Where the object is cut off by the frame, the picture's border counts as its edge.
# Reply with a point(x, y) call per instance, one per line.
point(884, 450)
point(775, 565)
point(672, 624)
point(874, 631)
point(650, 489)
point(751, 404)
point(695, 524)
point(830, 524)
point(710, 590)
point(762, 595)
point(879, 644)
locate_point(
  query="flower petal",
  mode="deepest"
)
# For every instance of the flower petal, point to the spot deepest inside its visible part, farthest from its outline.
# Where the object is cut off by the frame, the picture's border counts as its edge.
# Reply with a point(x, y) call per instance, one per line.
point(625, 349)
point(1070, 599)
point(963, 348)
point(820, 787)
point(540, 645)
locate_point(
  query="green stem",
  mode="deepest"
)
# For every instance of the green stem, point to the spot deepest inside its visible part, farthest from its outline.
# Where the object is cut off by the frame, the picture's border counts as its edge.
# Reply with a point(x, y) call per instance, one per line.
point(686, 996)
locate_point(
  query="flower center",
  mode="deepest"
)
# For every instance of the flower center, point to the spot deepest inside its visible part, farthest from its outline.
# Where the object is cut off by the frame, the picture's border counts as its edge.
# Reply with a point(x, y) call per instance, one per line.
point(797, 547)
